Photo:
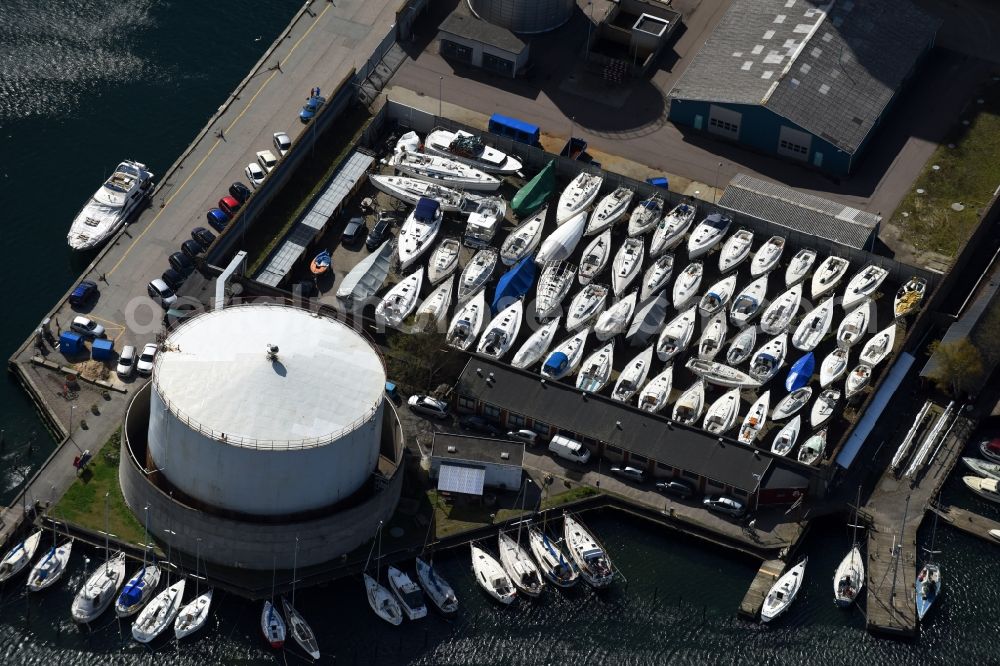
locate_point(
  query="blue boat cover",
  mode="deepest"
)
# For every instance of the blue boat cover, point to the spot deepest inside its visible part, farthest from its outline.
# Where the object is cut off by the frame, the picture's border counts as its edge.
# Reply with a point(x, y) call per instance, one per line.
point(426, 209)
point(132, 592)
point(801, 373)
point(514, 284)
point(556, 362)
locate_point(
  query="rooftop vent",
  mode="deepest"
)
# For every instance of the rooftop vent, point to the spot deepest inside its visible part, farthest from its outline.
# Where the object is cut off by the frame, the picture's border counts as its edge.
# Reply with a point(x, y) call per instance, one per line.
point(504, 455)
point(452, 449)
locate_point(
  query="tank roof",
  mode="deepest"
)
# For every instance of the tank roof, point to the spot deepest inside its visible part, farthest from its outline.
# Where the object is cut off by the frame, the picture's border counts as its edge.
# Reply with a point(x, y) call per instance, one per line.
point(214, 374)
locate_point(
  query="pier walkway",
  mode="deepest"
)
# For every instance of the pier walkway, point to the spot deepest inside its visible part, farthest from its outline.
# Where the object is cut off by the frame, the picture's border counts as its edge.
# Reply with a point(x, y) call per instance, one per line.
point(968, 522)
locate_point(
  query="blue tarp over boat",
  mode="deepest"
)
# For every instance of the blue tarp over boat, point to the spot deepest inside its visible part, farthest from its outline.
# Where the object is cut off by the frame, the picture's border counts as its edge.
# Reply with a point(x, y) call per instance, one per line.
point(556, 362)
point(426, 209)
point(801, 372)
point(514, 284)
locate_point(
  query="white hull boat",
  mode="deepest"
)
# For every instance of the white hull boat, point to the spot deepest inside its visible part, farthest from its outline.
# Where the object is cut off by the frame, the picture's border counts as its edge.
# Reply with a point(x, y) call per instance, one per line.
point(551, 560)
point(849, 579)
point(833, 366)
point(648, 319)
point(566, 357)
point(863, 285)
point(193, 616)
point(382, 602)
point(536, 346)
point(721, 416)
point(880, 346)
point(792, 403)
point(443, 171)
point(755, 419)
point(799, 266)
point(854, 325)
point(517, 562)
point(609, 210)
point(786, 438)
point(589, 556)
point(828, 275)
point(814, 327)
point(823, 408)
point(418, 232)
point(595, 257)
point(137, 591)
point(100, 590)
point(671, 229)
point(783, 592)
point(646, 214)
point(656, 394)
point(491, 577)
point(615, 319)
point(988, 489)
point(767, 256)
point(812, 449)
point(559, 246)
point(159, 613)
point(857, 380)
point(717, 297)
point(578, 195)
point(657, 276)
point(19, 557)
point(411, 190)
point(553, 285)
point(742, 346)
point(444, 260)
point(437, 589)
point(484, 221)
point(687, 283)
point(502, 331)
point(121, 195)
point(367, 277)
point(596, 369)
point(476, 273)
point(408, 594)
point(467, 323)
point(766, 362)
point(433, 312)
point(272, 626)
point(990, 470)
point(707, 235)
point(735, 250)
point(721, 375)
point(633, 376)
point(778, 315)
point(749, 302)
point(300, 629)
point(712, 337)
point(524, 239)
point(627, 264)
point(690, 406)
point(469, 148)
point(400, 301)
point(909, 296)
point(585, 306)
point(676, 336)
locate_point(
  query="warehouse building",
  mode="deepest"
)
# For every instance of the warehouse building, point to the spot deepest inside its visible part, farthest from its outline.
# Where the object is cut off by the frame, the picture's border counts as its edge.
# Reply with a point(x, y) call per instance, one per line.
point(468, 40)
point(808, 80)
point(465, 464)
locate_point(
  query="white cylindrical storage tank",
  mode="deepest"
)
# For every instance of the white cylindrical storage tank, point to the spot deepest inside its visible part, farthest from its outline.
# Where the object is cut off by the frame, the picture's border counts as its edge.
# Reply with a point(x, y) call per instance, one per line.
point(241, 432)
point(524, 16)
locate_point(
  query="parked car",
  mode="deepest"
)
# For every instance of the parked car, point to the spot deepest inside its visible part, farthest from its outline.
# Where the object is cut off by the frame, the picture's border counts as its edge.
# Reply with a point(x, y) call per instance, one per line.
point(180, 263)
point(725, 504)
point(230, 205)
point(354, 231)
point(203, 237)
point(631, 473)
point(217, 219)
point(192, 248)
point(161, 292)
point(240, 192)
point(677, 488)
point(87, 327)
point(311, 108)
point(424, 404)
point(255, 174)
point(379, 232)
point(83, 293)
point(529, 437)
point(479, 425)
point(173, 278)
point(267, 160)
point(146, 359)
point(126, 362)
point(282, 143)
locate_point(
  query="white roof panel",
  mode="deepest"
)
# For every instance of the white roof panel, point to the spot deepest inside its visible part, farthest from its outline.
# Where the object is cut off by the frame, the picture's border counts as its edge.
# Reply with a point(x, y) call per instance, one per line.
point(457, 479)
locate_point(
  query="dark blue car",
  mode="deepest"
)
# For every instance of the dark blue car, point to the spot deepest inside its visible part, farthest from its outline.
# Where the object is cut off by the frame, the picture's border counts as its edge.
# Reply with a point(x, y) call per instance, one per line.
point(218, 219)
point(311, 108)
point(83, 293)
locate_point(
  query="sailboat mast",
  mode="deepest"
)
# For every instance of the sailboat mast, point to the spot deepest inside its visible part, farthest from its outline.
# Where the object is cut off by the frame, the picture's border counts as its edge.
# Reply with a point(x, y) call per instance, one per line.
point(295, 567)
point(857, 506)
point(145, 536)
point(197, 561)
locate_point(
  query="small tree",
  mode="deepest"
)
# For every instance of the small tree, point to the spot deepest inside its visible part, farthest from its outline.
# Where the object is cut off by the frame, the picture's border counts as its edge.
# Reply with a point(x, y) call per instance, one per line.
point(959, 368)
point(417, 360)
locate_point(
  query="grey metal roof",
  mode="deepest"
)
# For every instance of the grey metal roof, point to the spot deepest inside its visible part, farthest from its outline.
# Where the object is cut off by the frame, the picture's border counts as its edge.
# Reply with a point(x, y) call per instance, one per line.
point(462, 25)
point(612, 422)
point(476, 449)
point(302, 234)
point(829, 66)
point(802, 212)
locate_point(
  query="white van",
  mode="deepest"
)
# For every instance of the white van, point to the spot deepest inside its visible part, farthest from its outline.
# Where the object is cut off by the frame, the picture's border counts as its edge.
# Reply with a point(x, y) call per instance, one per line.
point(569, 449)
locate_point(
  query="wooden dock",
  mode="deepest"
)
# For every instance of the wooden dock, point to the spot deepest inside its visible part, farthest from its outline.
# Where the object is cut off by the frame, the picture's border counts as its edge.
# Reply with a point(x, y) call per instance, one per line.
point(752, 602)
point(968, 522)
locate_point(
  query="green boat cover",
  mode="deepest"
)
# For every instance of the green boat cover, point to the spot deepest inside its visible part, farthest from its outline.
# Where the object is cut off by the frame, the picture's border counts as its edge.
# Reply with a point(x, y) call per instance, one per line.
point(533, 196)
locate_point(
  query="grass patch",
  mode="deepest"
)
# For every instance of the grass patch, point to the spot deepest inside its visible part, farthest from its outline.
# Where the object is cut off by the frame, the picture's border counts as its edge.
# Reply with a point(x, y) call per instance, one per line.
point(571, 495)
point(454, 517)
point(967, 174)
point(271, 228)
point(83, 503)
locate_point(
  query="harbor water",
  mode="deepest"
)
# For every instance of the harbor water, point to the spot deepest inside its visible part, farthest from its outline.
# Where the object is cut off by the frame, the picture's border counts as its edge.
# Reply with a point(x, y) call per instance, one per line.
point(86, 83)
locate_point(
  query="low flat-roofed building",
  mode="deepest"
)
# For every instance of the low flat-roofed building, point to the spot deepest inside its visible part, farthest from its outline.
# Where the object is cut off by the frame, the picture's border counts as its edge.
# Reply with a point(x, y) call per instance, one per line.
point(469, 40)
point(459, 460)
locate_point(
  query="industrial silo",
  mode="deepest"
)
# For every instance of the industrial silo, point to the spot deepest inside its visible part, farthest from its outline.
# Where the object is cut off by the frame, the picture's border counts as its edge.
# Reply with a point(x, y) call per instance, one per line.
point(524, 16)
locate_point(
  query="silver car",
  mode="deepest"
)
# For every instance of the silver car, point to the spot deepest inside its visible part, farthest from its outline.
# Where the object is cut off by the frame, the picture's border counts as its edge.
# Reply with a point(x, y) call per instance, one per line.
point(424, 404)
point(282, 143)
point(126, 362)
point(87, 327)
point(633, 473)
point(724, 504)
point(255, 174)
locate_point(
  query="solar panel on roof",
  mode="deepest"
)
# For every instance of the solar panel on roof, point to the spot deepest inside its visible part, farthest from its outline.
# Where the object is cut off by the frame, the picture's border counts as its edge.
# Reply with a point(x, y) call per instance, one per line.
point(459, 479)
